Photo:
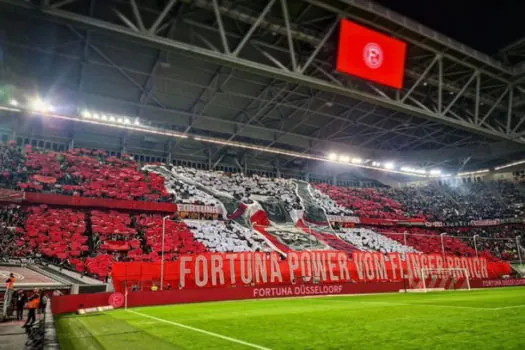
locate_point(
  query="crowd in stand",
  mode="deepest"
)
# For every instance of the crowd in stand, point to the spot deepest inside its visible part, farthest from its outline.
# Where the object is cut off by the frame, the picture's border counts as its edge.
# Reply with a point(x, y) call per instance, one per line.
point(368, 240)
point(179, 239)
point(91, 240)
point(12, 218)
point(90, 173)
point(297, 239)
point(431, 241)
point(241, 187)
point(458, 204)
point(500, 241)
point(461, 203)
point(364, 202)
point(12, 168)
point(330, 206)
point(327, 235)
point(227, 236)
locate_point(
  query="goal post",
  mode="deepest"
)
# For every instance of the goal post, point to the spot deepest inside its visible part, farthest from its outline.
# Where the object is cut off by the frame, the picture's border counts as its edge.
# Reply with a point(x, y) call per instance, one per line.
point(445, 278)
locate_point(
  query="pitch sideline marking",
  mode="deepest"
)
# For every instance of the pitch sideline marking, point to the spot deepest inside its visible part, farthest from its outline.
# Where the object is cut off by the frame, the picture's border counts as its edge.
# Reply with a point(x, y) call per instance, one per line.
point(508, 307)
point(255, 346)
point(445, 306)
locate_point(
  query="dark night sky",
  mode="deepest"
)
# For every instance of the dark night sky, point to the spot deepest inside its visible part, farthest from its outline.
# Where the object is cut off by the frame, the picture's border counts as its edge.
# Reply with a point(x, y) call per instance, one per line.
point(485, 25)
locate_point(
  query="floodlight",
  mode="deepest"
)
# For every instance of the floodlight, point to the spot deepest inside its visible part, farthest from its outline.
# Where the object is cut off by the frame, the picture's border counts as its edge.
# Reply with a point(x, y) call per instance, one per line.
point(357, 160)
point(86, 114)
point(345, 159)
point(112, 119)
point(332, 156)
point(13, 102)
point(41, 106)
point(389, 165)
point(435, 172)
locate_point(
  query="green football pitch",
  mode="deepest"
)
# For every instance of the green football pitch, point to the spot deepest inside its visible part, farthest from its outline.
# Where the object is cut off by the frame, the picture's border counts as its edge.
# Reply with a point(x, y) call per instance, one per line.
point(479, 319)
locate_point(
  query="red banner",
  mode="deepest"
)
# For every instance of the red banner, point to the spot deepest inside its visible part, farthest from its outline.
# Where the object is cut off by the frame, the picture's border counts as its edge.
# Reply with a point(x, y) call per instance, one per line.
point(75, 201)
point(370, 55)
point(44, 179)
point(503, 283)
point(71, 303)
point(267, 269)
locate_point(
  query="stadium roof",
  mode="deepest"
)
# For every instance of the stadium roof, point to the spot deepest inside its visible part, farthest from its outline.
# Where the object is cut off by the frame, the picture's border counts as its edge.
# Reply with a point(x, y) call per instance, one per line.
point(485, 28)
point(226, 69)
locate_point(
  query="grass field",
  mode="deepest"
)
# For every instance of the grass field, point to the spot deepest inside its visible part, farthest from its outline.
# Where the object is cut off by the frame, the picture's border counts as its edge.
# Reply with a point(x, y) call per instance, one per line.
point(480, 319)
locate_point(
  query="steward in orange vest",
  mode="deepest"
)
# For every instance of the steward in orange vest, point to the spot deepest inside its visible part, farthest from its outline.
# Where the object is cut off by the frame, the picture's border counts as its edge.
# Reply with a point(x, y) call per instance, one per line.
point(33, 303)
point(10, 283)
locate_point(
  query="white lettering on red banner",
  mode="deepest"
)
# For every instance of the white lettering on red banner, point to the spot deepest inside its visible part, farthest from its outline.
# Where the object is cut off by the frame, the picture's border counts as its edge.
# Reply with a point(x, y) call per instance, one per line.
point(217, 269)
point(293, 291)
point(503, 283)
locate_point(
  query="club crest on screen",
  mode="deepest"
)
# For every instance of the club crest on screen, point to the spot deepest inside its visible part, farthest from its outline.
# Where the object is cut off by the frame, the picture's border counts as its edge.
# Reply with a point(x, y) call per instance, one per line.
point(373, 55)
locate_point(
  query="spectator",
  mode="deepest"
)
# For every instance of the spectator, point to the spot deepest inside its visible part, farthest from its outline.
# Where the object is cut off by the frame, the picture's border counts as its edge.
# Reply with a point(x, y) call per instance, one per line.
point(43, 303)
point(9, 291)
point(33, 303)
point(21, 300)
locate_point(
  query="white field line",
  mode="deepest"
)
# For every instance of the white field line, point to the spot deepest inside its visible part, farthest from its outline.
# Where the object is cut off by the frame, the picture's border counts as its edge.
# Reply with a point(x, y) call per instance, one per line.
point(508, 307)
point(233, 340)
point(442, 306)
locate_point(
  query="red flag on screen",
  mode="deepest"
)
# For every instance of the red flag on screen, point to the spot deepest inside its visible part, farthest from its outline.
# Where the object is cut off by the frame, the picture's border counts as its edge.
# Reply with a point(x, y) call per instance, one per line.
point(370, 55)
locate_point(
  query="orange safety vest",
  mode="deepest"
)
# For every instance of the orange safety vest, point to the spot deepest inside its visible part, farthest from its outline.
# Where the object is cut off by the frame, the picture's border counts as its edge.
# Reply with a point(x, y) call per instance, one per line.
point(35, 303)
point(10, 284)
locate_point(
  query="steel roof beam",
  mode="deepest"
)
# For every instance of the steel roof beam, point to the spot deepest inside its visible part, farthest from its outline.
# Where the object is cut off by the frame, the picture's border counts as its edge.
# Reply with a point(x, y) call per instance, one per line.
point(258, 68)
point(437, 83)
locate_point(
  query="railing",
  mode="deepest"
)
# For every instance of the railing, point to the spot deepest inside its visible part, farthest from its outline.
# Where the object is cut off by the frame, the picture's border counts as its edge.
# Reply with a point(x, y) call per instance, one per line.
point(42, 334)
point(50, 334)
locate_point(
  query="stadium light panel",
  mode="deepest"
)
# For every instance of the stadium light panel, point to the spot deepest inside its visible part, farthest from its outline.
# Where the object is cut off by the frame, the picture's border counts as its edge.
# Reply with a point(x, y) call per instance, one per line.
point(477, 172)
point(40, 105)
point(344, 158)
point(13, 103)
point(86, 114)
point(519, 162)
point(435, 172)
point(120, 120)
point(389, 165)
point(135, 125)
point(112, 119)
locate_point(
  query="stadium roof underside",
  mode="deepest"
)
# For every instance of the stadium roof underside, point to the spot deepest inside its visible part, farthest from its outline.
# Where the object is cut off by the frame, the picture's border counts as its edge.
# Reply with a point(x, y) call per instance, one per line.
point(263, 72)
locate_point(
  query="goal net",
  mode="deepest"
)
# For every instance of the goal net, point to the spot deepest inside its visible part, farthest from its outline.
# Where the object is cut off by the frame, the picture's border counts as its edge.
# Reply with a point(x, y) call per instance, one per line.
point(440, 279)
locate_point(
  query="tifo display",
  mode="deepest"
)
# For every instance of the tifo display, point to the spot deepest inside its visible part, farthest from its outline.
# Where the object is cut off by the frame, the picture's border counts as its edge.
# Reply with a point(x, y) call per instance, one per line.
point(212, 228)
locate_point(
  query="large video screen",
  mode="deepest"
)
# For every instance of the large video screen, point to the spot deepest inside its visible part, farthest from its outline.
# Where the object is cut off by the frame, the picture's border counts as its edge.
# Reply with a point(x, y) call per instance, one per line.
point(370, 55)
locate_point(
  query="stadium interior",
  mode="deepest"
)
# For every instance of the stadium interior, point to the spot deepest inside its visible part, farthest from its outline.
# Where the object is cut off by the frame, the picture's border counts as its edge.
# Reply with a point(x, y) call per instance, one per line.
point(142, 141)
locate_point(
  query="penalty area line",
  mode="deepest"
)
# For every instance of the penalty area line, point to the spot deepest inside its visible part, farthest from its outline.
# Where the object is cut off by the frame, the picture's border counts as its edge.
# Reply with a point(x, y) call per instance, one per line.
point(233, 340)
